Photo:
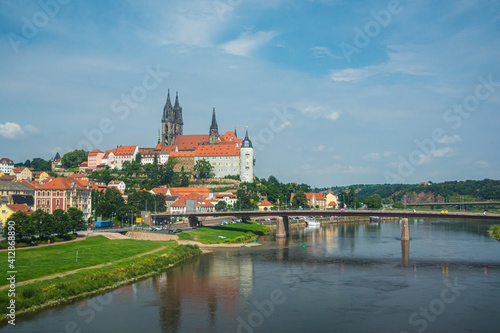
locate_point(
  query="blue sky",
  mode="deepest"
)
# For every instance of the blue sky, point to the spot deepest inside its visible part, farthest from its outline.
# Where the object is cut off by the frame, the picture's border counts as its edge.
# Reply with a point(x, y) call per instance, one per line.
point(333, 92)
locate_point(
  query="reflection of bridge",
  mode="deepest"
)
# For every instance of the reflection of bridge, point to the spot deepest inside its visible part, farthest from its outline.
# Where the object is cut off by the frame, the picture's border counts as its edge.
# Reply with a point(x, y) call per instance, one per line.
point(283, 215)
point(463, 204)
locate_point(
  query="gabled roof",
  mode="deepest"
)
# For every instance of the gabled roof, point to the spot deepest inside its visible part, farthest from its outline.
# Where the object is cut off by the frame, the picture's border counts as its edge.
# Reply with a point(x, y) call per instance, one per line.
point(181, 154)
point(230, 137)
point(19, 169)
point(6, 161)
point(115, 182)
point(181, 191)
point(223, 195)
point(265, 203)
point(8, 178)
point(62, 183)
point(94, 152)
point(317, 196)
point(20, 208)
point(181, 202)
point(10, 185)
point(125, 150)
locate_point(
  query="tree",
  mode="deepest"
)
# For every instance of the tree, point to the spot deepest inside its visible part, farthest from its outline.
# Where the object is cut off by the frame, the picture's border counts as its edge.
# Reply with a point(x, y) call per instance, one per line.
point(203, 169)
point(221, 205)
point(373, 202)
point(74, 158)
point(138, 158)
point(45, 222)
point(24, 227)
point(75, 217)
point(300, 200)
point(61, 222)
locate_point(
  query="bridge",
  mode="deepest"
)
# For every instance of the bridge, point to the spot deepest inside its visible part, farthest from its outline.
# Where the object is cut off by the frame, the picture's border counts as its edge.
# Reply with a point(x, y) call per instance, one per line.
point(283, 215)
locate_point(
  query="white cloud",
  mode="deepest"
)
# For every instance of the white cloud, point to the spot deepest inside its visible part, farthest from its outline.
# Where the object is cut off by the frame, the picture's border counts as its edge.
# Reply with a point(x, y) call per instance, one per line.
point(483, 164)
point(318, 148)
point(323, 52)
point(449, 139)
point(30, 129)
point(443, 152)
point(11, 130)
point(400, 62)
point(320, 111)
point(247, 43)
point(371, 157)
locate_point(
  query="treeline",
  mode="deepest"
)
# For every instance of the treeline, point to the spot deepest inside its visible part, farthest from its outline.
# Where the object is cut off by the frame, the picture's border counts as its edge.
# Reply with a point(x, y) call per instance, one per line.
point(41, 226)
point(147, 176)
point(480, 190)
point(38, 164)
point(109, 204)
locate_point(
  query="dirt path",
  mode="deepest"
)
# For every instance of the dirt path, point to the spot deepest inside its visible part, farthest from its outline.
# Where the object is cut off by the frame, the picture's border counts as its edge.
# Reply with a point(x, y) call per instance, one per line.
point(49, 277)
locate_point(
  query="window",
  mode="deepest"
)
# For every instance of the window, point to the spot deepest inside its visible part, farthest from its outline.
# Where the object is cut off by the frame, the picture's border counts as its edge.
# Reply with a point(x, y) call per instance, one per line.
point(38, 203)
point(57, 202)
point(43, 202)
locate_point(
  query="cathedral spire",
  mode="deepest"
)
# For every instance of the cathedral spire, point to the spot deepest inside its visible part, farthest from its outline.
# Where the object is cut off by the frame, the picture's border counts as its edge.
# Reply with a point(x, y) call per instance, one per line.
point(214, 130)
point(236, 135)
point(176, 105)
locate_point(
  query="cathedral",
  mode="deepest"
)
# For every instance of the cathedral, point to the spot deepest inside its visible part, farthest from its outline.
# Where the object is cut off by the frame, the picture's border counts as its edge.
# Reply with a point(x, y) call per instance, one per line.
point(227, 154)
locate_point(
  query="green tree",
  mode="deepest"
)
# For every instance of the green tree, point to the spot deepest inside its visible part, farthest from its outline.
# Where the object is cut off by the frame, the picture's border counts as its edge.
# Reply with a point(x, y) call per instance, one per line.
point(203, 169)
point(373, 202)
point(300, 200)
point(45, 222)
point(74, 158)
point(61, 222)
point(138, 158)
point(24, 228)
point(75, 217)
point(221, 205)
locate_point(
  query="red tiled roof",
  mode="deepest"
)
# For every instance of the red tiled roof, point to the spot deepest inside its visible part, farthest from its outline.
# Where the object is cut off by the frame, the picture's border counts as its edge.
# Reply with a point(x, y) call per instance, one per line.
point(19, 169)
point(20, 208)
point(190, 142)
point(218, 150)
point(94, 152)
point(62, 183)
point(113, 182)
point(125, 150)
point(8, 177)
point(157, 190)
point(181, 154)
point(181, 202)
point(6, 161)
point(230, 137)
point(223, 195)
point(200, 191)
point(265, 203)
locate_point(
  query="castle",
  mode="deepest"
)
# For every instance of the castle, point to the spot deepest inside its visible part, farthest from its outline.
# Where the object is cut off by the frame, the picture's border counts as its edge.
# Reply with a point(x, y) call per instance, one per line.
point(227, 154)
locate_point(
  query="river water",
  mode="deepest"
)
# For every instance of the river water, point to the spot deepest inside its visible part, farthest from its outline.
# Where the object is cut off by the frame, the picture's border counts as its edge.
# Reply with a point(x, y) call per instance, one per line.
point(356, 277)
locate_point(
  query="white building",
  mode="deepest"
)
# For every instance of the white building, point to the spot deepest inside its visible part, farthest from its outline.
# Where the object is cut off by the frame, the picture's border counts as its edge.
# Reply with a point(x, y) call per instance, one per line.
point(6, 165)
point(246, 155)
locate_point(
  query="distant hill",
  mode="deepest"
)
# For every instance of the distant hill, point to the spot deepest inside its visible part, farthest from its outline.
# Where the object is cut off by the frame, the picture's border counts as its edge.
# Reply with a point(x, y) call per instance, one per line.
point(452, 191)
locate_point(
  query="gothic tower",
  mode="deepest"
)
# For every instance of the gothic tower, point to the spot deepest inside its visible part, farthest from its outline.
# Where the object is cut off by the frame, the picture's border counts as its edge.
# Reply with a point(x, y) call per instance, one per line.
point(246, 158)
point(178, 116)
point(214, 131)
point(171, 122)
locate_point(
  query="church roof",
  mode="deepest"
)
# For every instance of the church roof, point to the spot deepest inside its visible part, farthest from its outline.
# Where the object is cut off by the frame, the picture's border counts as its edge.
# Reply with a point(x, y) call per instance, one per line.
point(246, 142)
point(190, 142)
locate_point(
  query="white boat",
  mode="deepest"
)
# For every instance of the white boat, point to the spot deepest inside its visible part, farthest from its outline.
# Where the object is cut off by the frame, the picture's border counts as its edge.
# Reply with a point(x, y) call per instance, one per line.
point(312, 223)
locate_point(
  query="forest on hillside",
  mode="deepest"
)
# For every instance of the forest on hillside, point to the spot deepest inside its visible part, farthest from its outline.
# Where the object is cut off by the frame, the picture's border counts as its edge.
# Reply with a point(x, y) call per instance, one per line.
point(451, 191)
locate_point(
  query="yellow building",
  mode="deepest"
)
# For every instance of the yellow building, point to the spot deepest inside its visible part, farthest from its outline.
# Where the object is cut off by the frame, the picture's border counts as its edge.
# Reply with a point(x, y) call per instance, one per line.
point(22, 173)
point(266, 205)
point(41, 175)
point(331, 198)
point(7, 210)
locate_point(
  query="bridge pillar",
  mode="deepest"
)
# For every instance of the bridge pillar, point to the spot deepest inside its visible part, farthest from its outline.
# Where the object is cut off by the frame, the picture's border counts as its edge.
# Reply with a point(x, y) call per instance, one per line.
point(192, 221)
point(405, 230)
point(405, 253)
point(282, 227)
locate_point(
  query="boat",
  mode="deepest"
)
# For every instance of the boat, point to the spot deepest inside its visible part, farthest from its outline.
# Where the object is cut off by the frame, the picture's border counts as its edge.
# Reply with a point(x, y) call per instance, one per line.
point(312, 223)
point(375, 219)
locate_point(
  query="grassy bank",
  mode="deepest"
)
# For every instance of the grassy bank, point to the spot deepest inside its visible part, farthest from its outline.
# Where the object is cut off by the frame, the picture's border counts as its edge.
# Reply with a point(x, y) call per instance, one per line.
point(232, 233)
point(495, 231)
point(119, 264)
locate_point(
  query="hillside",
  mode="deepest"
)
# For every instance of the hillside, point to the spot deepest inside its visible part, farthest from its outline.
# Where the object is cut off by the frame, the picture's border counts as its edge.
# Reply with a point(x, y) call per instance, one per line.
point(469, 190)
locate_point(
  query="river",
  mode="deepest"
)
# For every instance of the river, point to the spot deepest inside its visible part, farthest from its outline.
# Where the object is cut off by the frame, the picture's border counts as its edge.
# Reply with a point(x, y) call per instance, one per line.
point(356, 277)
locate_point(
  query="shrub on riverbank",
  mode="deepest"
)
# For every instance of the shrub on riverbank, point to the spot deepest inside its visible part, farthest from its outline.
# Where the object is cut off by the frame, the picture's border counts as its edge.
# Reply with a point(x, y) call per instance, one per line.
point(40, 294)
point(243, 232)
point(495, 231)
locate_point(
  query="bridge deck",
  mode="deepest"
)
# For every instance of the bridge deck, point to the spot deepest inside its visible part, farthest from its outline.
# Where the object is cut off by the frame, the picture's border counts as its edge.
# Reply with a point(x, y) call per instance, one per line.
point(328, 213)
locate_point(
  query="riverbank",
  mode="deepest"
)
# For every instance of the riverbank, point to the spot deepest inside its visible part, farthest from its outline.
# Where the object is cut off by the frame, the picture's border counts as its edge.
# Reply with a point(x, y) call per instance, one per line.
point(495, 231)
point(226, 235)
point(52, 275)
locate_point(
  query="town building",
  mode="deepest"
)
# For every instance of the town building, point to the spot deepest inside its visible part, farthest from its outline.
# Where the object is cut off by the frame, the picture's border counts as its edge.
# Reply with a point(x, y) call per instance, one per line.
point(22, 173)
point(229, 198)
point(265, 205)
point(119, 184)
point(6, 165)
point(16, 192)
point(314, 199)
point(94, 159)
point(63, 193)
point(6, 210)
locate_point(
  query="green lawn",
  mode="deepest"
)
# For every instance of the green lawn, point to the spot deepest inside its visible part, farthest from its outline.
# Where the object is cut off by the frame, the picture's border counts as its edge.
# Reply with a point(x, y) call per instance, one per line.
point(233, 233)
point(42, 261)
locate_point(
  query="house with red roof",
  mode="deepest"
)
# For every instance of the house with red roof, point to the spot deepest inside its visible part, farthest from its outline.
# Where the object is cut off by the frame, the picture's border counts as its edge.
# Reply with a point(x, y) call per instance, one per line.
point(229, 198)
point(119, 184)
point(265, 205)
point(22, 173)
point(314, 199)
point(125, 154)
point(94, 159)
point(63, 193)
point(6, 210)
